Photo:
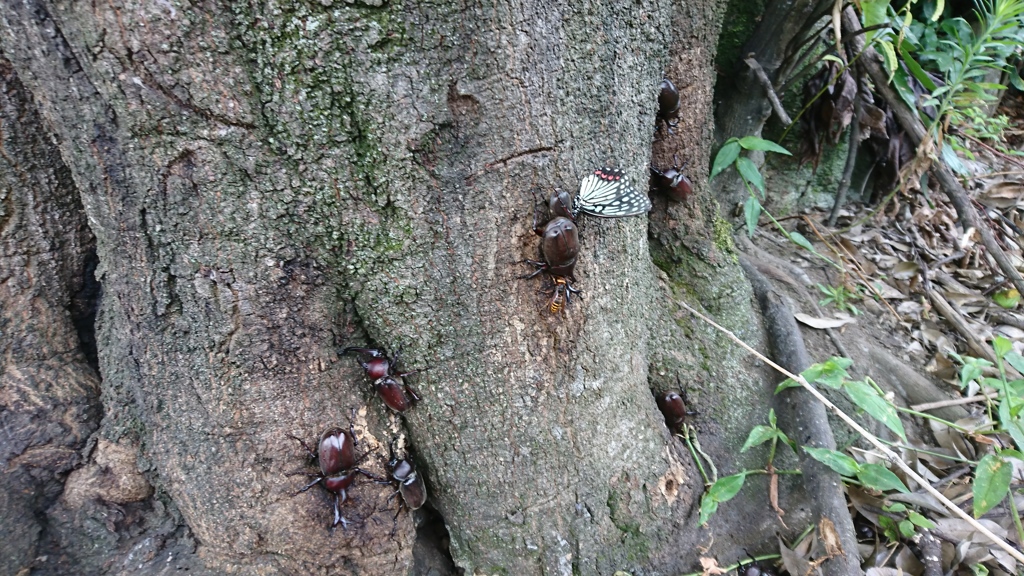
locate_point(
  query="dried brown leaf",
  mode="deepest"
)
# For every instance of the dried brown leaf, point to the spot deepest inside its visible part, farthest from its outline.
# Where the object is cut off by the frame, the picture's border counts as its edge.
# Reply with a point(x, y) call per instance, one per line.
point(830, 537)
point(795, 562)
point(709, 567)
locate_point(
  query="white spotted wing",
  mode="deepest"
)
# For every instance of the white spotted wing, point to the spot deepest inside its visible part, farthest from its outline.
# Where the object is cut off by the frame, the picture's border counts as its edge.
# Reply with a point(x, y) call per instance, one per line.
point(608, 193)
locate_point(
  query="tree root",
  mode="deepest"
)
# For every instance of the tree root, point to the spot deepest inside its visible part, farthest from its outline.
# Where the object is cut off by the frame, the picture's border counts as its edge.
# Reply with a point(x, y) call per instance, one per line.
point(797, 410)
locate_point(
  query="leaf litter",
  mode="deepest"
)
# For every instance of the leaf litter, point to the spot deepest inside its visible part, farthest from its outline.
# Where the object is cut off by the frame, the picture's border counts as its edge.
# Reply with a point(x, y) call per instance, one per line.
point(943, 296)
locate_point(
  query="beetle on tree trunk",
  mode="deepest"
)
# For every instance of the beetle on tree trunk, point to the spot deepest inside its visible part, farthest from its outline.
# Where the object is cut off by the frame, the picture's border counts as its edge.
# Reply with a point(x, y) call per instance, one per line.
point(390, 384)
point(336, 455)
point(559, 247)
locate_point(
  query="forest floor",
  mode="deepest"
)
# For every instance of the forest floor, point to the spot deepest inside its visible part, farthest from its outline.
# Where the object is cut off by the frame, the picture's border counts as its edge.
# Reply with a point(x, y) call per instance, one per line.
point(907, 294)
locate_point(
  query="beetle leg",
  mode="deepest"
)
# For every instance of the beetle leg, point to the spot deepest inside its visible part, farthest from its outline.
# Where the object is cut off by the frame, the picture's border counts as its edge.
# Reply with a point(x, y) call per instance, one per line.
point(361, 458)
point(369, 475)
point(304, 445)
point(410, 390)
point(394, 521)
point(308, 486)
point(339, 499)
point(417, 371)
point(570, 290)
point(541, 267)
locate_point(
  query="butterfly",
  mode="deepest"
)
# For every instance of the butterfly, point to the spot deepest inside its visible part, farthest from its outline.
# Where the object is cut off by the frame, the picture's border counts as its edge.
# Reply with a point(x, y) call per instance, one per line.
point(608, 193)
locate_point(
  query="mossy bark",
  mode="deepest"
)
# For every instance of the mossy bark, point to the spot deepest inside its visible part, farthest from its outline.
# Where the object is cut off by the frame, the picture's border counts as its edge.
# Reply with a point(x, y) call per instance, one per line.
point(269, 181)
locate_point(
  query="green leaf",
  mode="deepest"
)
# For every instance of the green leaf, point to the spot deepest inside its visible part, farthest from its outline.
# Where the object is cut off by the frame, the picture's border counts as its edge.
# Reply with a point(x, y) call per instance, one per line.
point(833, 372)
point(940, 5)
point(880, 478)
point(725, 157)
point(708, 506)
point(972, 369)
point(869, 400)
point(798, 239)
point(906, 528)
point(991, 483)
point(759, 435)
point(874, 12)
point(1012, 423)
point(1015, 80)
point(953, 161)
point(889, 55)
point(726, 488)
point(787, 383)
point(1002, 346)
point(920, 520)
point(899, 81)
point(1011, 453)
point(751, 212)
point(755, 143)
point(889, 528)
point(916, 70)
point(750, 173)
point(1015, 360)
point(1008, 299)
point(837, 461)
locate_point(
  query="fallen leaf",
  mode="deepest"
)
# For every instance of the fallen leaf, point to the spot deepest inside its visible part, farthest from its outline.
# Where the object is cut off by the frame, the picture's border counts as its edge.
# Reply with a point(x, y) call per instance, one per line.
point(829, 536)
point(710, 567)
point(793, 562)
point(822, 323)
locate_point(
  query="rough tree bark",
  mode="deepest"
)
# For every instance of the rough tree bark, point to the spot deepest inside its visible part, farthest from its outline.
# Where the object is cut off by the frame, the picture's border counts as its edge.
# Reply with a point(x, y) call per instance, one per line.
point(269, 181)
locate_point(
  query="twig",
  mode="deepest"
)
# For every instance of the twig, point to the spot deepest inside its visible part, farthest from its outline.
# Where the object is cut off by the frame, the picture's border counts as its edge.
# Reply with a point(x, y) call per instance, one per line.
point(1003, 155)
point(951, 314)
point(767, 85)
point(953, 402)
point(851, 156)
point(1007, 318)
point(889, 454)
point(990, 174)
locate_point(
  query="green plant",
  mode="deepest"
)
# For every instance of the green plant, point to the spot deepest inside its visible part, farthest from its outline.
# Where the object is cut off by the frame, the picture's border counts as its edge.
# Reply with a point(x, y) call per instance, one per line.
point(992, 473)
point(902, 522)
point(729, 155)
point(839, 296)
point(726, 488)
point(961, 54)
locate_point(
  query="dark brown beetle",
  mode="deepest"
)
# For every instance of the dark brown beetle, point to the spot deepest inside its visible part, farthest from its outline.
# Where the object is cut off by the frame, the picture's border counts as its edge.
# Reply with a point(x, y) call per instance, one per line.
point(410, 484)
point(390, 385)
point(672, 182)
point(668, 103)
point(673, 407)
point(336, 455)
point(559, 246)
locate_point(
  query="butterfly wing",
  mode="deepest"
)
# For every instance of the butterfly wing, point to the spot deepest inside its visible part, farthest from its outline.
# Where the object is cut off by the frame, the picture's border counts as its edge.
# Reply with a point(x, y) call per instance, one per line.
point(608, 193)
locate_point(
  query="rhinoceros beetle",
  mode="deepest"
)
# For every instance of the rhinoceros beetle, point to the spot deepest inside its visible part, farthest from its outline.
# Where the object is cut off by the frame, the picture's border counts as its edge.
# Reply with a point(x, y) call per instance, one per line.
point(390, 385)
point(559, 247)
point(673, 407)
point(672, 182)
point(668, 103)
point(410, 484)
point(336, 455)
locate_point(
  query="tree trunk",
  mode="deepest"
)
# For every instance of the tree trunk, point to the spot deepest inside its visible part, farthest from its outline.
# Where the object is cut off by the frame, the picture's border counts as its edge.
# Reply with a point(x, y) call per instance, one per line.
point(267, 182)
